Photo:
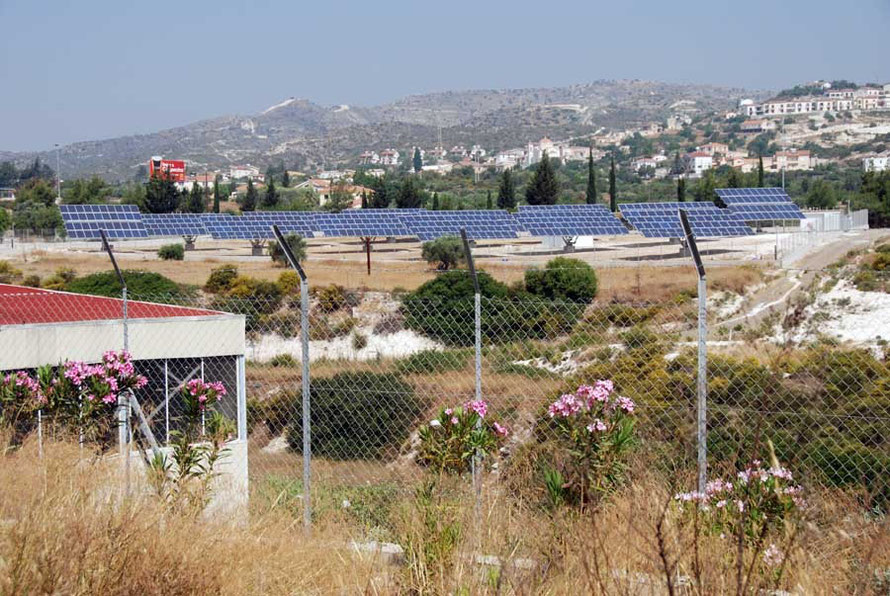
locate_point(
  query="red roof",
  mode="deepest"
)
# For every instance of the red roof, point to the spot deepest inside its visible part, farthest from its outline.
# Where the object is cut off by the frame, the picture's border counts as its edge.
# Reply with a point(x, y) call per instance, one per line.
point(21, 305)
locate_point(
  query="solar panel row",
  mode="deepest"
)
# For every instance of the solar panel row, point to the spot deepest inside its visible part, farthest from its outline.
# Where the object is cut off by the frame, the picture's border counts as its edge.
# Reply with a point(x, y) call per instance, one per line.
point(760, 204)
point(568, 220)
point(661, 220)
point(118, 221)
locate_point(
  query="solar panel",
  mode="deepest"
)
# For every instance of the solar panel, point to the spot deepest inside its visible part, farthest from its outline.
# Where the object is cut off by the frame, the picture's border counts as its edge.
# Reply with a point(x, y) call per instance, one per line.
point(568, 220)
point(230, 227)
point(174, 224)
point(661, 220)
point(118, 221)
point(303, 223)
point(760, 204)
point(362, 222)
point(731, 196)
point(479, 224)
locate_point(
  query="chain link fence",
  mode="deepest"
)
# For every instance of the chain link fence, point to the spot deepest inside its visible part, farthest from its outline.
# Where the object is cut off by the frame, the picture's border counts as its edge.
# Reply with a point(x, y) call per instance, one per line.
point(384, 365)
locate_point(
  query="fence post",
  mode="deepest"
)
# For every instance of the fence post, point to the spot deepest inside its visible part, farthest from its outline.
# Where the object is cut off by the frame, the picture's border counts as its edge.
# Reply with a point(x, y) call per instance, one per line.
point(477, 319)
point(702, 378)
point(304, 351)
point(123, 411)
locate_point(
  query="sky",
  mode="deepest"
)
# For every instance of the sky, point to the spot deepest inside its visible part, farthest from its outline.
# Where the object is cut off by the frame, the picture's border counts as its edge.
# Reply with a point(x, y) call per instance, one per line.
point(93, 69)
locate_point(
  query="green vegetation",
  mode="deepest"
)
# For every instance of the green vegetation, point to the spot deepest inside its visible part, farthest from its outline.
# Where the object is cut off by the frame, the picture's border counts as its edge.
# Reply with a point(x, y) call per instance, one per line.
point(140, 285)
point(356, 415)
point(543, 189)
point(171, 252)
point(161, 196)
point(430, 362)
point(297, 247)
point(563, 279)
point(221, 279)
point(446, 252)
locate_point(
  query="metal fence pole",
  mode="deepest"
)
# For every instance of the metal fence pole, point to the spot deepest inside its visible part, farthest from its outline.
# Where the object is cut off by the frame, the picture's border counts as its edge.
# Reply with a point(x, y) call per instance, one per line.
point(476, 463)
point(40, 433)
point(305, 381)
point(701, 434)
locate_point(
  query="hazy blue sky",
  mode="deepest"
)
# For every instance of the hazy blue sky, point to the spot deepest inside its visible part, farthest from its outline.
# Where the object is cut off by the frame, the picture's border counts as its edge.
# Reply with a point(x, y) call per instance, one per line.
point(91, 69)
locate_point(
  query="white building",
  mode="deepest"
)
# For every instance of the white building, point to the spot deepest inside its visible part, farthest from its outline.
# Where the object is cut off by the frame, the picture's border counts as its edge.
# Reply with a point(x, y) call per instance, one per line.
point(697, 162)
point(876, 163)
point(390, 157)
point(244, 171)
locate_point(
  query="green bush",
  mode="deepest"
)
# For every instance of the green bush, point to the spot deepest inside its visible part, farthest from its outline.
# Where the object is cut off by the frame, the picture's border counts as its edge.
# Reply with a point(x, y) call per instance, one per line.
point(171, 252)
point(289, 283)
point(357, 415)
point(140, 285)
point(260, 296)
point(445, 252)
point(60, 279)
point(32, 281)
point(330, 298)
point(563, 279)
point(221, 279)
point(282, 360)
point(359, 341)
point(433, 361)
point(443, 309)
point(297, 247)
point(8, 273)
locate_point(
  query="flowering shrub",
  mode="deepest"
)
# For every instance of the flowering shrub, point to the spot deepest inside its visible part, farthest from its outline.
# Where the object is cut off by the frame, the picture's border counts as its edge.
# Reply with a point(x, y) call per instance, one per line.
point(755, 504)
point(19, 394)
point(594, 433)
point(451, 440)
point(199, 395)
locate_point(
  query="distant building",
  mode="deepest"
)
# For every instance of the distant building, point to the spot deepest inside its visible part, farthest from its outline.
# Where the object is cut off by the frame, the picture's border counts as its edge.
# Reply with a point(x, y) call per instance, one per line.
point(793, 159)
point(369, 158)
point(713, 149)
point(439, 168)
point(390, 157)
point(832, 100)
point(245, 171)
point(876, 163)
point(7, 194)
point(697, 162)
point(757, 126)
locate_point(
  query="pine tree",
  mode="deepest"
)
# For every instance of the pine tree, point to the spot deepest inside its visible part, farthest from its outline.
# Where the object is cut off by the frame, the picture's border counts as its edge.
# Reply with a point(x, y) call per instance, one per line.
point(408, 197)
point(760, 171)
point(681, 189)
point(196, 199)
point(613, 188)
point(418, 160)
point(488, 204)
point(506, 191)
point(250, 199)
point(543, 188)
point(217, 195)
point(704, 190)
point(733, 179)
point(285, 179)
point(161, 195)
point(591, 179)
point(270, 198)
point(364, 200)
point(435, 201)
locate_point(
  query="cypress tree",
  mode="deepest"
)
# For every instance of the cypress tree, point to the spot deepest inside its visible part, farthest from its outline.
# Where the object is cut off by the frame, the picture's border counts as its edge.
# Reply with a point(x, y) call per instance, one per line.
point(250, 199)
point(613, 188)
point(196, 199)
point(364, 200)
point(506, 191)
point(488, 204)
point(270, 198)
point(217, 195)
point(543, 188)
point(435, 201)
point(591, 179)
point(418, 161)
point(285, 179)
point(681, 189)
point(760, 171)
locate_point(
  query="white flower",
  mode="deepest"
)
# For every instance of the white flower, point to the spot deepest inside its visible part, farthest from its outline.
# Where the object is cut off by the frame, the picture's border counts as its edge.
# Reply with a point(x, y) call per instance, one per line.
point(435, 423)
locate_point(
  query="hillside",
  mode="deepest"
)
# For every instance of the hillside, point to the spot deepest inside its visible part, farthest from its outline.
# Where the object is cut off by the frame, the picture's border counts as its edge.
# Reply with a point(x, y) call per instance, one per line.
point(300, 132)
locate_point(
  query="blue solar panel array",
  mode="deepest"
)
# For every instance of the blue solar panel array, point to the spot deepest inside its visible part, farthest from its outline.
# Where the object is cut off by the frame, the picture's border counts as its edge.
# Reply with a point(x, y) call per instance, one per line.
point(363, 222)
point(568, 220)
point(662, 220)
point(490, 224)
point(118, 221)
point(302, 223)
point(760, 204)
point(174, 224)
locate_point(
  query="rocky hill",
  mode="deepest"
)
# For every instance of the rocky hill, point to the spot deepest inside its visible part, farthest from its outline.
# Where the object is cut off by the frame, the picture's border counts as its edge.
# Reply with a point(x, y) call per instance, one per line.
point(302, 133)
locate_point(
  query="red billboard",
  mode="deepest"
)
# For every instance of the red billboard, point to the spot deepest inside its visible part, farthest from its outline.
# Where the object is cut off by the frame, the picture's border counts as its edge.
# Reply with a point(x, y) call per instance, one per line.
point(172, 169)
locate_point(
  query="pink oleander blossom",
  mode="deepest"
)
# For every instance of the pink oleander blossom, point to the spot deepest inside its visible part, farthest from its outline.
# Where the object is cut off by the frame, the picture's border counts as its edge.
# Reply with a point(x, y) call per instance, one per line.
point(479, 406)
point(500, 430)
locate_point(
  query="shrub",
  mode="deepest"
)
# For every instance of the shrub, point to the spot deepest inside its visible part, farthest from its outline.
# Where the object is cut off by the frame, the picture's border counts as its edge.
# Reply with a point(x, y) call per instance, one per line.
point(221, 279)
point(171, 252)
point(433, 361)
point(262, 297)
point(60, 279)
point(445, 252)
point(32, 281)
point(450, 442)
point(282, 360)
point(359, 341)
point(143, 284)
point(297, 247)
point(330, 298)
point(357, 415)
point(443, 309)
point(389, 323)
point(289, 283)
point(563, 279)
point(8, 273)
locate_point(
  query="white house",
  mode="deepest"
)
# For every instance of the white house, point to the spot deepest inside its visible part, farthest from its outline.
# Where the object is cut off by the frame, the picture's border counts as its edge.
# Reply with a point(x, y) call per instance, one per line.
point(697, 162)
point(243, 171)
point(389, 157)
point(876, 163)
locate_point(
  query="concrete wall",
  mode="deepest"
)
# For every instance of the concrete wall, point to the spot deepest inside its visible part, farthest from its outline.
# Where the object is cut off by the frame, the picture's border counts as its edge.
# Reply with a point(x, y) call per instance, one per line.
point(29, 346)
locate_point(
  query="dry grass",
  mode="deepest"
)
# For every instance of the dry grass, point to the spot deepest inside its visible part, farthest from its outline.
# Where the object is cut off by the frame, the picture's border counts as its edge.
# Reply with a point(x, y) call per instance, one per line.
point(65, 529)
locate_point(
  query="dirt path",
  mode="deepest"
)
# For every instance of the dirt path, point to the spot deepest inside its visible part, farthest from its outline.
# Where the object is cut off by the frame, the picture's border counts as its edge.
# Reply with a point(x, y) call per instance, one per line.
point(797, 277)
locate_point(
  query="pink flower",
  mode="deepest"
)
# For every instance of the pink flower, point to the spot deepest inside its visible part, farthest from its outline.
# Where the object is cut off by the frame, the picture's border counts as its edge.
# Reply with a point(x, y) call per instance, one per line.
point(596, 426)
point(565, 406)
point(109, 399)
point(772, 556)
point(478, 406)
point(449, 411)
point(500, 430)
point(454, 420)
point(626, 404)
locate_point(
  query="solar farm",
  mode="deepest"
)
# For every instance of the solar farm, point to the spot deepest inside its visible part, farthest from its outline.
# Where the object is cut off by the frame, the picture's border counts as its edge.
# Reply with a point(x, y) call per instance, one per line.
point(638, 233)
